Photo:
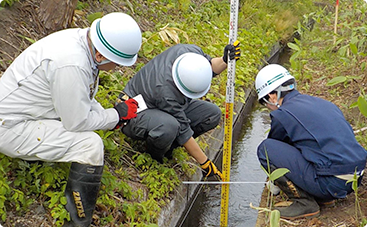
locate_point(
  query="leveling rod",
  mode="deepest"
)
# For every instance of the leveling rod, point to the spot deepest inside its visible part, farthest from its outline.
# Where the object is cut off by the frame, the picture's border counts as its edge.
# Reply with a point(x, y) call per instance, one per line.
point(228, 122)
point(221, 182)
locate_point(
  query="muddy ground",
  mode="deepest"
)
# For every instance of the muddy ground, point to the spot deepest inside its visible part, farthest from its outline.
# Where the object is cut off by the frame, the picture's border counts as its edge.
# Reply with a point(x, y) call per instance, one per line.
point(341, 215)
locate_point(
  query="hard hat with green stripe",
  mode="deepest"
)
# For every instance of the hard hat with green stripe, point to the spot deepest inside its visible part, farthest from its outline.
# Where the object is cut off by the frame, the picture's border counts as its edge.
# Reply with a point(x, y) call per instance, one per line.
point(117, 37)
point(270, 78)
point(192, 74)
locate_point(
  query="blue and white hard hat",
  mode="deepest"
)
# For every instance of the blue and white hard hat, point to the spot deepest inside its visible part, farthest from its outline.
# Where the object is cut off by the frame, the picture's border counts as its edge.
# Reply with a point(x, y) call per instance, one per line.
point(270, 78)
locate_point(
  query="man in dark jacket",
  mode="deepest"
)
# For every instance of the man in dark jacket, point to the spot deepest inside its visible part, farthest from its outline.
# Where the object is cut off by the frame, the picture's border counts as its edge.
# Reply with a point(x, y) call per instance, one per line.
point(310, 137)
point(171, 84)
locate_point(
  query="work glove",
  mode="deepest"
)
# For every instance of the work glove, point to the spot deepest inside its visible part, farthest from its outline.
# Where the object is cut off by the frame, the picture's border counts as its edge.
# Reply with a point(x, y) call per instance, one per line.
point(232, 51)
point(209, 169)
point(126, 110)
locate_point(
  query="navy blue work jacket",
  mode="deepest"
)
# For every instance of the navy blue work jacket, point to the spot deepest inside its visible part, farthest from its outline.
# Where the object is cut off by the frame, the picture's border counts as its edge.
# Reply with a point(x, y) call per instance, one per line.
point(318, 129)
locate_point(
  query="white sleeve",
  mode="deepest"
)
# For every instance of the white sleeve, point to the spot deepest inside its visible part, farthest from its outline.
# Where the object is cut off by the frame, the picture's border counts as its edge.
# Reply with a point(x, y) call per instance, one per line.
point(96, 106)
point(70, 90)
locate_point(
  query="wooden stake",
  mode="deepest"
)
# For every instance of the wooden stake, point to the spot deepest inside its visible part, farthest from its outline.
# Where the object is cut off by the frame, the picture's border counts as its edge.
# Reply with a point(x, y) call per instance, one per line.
point(336, 19)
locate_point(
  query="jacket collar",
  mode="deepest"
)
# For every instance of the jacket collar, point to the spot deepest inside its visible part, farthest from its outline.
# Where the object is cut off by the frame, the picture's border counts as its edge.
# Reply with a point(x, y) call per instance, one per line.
point(290, 96)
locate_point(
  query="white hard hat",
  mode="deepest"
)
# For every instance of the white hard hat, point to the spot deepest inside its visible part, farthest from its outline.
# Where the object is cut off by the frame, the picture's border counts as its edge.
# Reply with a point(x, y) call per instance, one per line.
point(192, 74)
point(117, 37)
point(270, 78)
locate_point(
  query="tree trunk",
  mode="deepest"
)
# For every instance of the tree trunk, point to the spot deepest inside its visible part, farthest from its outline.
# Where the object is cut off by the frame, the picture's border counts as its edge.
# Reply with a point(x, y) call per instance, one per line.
point(56, 14)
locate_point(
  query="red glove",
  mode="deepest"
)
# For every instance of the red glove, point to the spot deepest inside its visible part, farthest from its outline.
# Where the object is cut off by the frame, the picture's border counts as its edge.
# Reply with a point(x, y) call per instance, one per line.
point(126, 110)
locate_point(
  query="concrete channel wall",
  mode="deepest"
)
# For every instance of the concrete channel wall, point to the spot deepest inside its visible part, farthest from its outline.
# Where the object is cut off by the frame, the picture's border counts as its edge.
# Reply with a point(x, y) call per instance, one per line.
point(174, 214)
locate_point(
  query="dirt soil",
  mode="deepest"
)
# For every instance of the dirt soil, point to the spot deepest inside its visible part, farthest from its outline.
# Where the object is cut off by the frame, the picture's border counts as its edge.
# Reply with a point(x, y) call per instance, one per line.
point(341, 215)
point(21, 20)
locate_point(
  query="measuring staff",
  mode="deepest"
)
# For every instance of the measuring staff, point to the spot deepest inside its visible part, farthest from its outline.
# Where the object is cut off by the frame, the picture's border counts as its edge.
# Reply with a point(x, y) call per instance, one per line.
point(227, 148)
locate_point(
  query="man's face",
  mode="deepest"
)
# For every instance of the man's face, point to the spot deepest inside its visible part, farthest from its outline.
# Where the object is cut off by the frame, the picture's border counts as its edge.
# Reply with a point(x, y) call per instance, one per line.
point(107, 67)
point(270, 98)
point(273, 98)
point(271, 107)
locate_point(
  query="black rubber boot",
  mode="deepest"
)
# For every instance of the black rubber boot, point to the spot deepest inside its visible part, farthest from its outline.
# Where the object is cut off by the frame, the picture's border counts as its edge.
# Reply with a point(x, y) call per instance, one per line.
point(81, 193)
point(325, 203)
point(303, 205)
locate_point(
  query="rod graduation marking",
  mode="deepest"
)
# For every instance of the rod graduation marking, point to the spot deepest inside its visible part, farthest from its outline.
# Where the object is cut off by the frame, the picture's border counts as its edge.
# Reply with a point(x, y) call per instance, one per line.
point(228, 122)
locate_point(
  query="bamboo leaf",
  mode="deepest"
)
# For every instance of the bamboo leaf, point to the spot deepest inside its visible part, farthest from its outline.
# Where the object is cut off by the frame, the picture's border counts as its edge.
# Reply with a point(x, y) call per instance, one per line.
point(278, 173)
point(274, 218)
point(294, 56)
point(265, 170)
point(362, 105)
point(164, 36)
point(353, 105)
point(294, 46)
point(173, 35)
point(28, 39)
point(353, 48)
point(336, 80)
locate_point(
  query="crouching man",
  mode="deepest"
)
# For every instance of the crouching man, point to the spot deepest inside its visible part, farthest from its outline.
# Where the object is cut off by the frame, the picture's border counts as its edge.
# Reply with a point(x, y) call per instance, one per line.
point(310, 137)
point(47, 107)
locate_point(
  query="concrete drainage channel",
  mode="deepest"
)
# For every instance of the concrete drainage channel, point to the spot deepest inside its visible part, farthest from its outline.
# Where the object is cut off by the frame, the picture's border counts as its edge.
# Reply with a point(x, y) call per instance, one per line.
point(178, 209)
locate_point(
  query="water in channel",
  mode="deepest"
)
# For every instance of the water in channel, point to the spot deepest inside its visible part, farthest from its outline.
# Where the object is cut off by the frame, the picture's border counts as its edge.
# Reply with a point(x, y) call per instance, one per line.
point(245, 167)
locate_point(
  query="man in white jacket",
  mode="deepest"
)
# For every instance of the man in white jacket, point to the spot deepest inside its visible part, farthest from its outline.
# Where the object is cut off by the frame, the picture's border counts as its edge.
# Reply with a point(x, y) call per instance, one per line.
point(47, 106)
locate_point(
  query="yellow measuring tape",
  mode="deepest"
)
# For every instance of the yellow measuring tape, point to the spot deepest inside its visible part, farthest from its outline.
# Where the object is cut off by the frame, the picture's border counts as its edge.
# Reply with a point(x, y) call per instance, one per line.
point(228, 122)
point(226, 166)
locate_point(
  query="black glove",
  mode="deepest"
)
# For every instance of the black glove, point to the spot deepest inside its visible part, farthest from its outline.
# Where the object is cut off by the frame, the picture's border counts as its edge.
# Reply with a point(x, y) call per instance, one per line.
point(126, 111)
point(209, 169)
point(232, 51)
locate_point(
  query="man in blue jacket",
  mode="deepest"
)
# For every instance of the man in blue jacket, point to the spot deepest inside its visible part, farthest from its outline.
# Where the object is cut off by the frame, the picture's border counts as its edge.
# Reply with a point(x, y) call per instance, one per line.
point(310, 137)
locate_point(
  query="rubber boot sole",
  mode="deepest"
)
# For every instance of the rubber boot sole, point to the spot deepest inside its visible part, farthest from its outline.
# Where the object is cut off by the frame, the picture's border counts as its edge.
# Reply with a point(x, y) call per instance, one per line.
point(308, 216)
point(327, 204)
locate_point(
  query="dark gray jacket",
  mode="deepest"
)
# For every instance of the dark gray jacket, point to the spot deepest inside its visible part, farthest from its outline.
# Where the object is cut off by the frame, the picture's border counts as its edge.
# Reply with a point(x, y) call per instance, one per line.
point(155, 83)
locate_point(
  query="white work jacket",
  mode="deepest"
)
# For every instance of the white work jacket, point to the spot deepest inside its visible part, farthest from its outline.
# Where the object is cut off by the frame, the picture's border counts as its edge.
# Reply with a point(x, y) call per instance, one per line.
point(55, 78)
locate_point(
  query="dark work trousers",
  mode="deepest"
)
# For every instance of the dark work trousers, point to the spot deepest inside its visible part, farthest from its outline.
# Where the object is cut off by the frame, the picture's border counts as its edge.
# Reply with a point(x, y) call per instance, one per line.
point(302, 173)
point(160, 129)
